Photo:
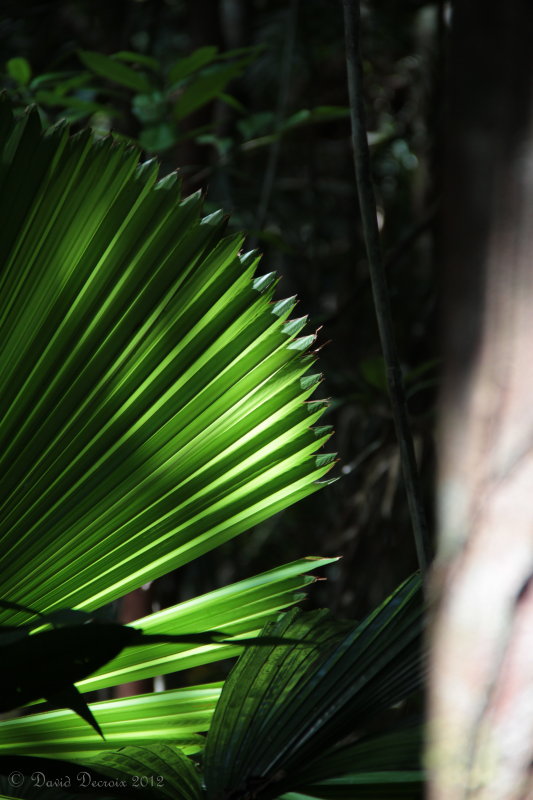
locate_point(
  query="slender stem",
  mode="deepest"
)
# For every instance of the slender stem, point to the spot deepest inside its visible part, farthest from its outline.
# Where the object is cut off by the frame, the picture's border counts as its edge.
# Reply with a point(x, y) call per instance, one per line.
point(367, 203)
point(283, 98)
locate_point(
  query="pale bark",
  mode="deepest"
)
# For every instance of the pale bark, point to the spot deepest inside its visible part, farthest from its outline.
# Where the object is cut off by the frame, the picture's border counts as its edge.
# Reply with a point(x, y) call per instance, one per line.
point(481, 694)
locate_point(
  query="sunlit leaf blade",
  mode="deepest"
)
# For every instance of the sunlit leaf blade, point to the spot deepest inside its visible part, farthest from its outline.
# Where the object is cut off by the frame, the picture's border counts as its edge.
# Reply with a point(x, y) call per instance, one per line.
point(176, 715)
point(282, 707)
point(152, 403)
point(240, 609)
point(71, 698)
point(74, 649)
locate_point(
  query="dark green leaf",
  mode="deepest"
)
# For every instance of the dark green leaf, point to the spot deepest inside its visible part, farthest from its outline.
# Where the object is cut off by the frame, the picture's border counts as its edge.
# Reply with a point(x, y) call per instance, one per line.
point(373, 371)
point(282, 707)
point(387, 785)
point(398, 751)
point(137, 58)
point(186, 66)
point(232, 102)
point(115, 71)
point(85, 107)
point(307, 116)
point(205, 88)
point(150, 108)
point(62, 82)
point(158, 138)
point(161, 768)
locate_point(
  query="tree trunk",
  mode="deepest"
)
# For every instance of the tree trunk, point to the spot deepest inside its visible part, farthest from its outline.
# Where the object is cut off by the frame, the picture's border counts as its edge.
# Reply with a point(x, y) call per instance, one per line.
point(481, 695)
point(135, 605)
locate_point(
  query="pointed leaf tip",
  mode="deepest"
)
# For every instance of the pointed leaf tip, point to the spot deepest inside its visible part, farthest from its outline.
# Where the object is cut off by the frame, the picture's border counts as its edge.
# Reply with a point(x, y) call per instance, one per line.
point(283, 307)
point(294, 326)
point(309, 381)
point(322, 459)
point(213, 219)
point(249, 258)
point(304, 343)
point(168, 182)
point(262, 283)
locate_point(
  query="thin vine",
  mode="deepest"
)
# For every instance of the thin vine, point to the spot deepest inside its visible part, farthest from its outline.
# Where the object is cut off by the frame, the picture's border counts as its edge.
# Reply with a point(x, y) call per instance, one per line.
point(380, 292)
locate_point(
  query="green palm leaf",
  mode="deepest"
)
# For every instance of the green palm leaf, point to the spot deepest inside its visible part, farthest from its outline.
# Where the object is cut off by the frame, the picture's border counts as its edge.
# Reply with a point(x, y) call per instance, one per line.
point(240, 609)
point(282, 707)
point(167, 772)
point(152, 404)
point(176, 715)
point(383, 766)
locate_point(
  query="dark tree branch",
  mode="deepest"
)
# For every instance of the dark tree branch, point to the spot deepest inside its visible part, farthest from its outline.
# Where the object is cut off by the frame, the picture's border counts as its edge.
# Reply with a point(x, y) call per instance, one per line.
point(378, 278)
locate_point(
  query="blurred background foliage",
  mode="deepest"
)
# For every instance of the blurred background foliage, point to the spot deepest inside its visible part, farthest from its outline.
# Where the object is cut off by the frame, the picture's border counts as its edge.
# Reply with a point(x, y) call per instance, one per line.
point(248, 100)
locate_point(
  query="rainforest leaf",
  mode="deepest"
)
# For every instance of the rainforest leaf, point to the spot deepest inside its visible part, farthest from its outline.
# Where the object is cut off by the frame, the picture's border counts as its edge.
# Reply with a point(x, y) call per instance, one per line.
point(152, 404)
point(282, 707)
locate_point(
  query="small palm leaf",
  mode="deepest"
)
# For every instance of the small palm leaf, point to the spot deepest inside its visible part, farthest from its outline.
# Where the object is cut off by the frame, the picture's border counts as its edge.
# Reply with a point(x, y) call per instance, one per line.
point(239, 609)
point(282, 708)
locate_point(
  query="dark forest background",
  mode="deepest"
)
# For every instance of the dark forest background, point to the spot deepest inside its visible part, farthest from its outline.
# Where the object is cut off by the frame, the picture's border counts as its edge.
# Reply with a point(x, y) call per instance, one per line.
point(248, 100)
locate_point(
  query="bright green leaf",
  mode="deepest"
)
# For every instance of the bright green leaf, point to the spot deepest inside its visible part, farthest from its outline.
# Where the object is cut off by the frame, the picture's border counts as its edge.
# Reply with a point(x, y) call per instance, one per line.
point(241, 609)
point(151, 403)
point(176, 715)
point(20, 70)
